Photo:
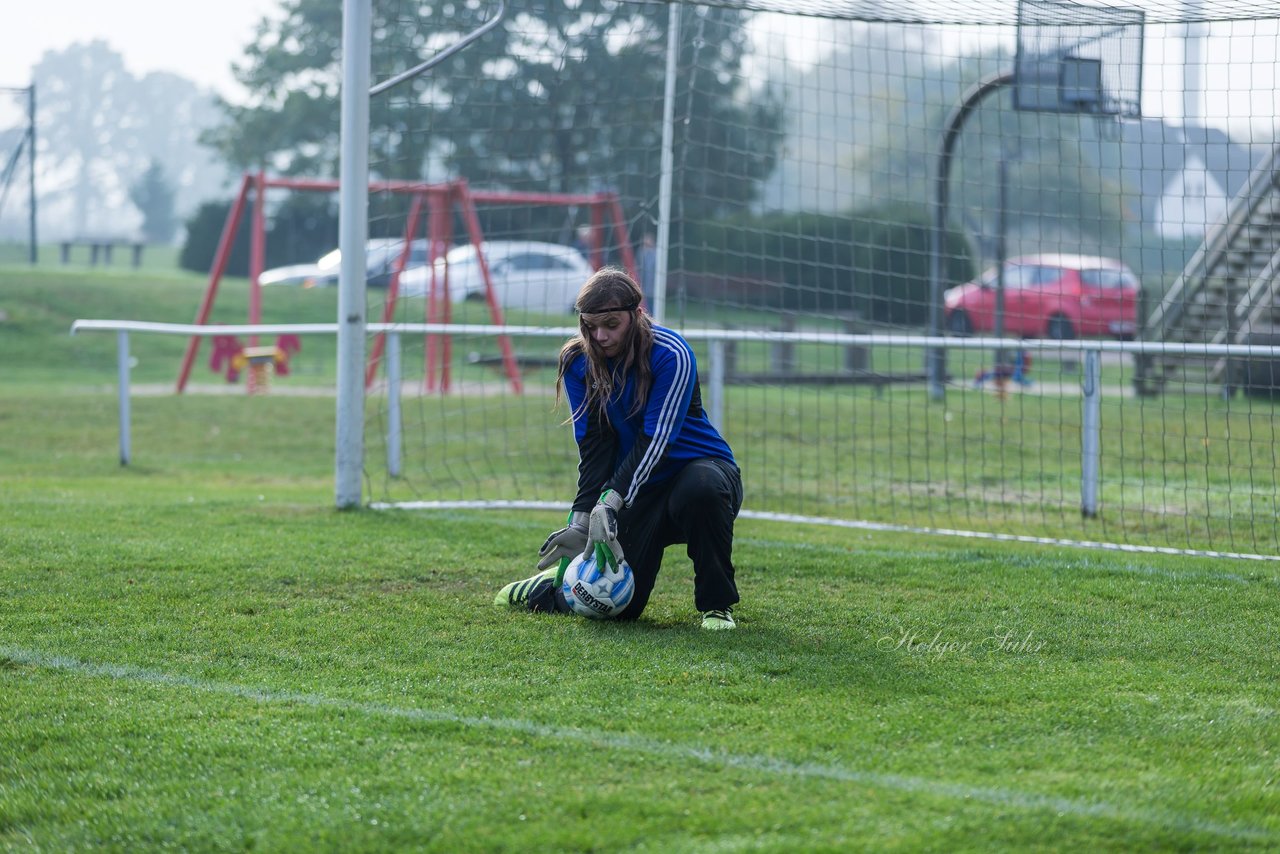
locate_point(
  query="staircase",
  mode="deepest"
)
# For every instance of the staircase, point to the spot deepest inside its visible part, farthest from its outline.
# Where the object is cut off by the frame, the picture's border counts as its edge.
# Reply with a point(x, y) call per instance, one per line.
point(1226, 294)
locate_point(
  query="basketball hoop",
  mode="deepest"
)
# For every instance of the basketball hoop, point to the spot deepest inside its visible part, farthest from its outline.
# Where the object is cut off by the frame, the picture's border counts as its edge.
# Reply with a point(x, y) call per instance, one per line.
point(1076, 58)
point(1072, 58)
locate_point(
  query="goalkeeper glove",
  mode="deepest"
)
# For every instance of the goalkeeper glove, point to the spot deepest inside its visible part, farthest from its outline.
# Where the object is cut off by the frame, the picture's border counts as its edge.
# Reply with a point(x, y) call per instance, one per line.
point(565, 543)
point(602, 536)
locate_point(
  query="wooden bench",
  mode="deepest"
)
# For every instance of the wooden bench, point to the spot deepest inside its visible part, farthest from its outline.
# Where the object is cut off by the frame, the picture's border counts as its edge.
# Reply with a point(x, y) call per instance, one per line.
point(100, 249)
point(856, 377)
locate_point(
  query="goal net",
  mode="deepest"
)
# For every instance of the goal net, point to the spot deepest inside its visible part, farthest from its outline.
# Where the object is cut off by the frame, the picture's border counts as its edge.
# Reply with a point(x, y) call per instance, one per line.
point(771, 172)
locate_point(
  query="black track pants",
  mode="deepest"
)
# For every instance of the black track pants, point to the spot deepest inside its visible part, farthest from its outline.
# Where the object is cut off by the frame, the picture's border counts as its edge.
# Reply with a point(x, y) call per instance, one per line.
point(696, 507)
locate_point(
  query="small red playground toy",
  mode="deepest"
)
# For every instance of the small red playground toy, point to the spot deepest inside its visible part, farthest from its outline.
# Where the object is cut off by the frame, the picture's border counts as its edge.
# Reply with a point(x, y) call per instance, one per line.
point(231, 358)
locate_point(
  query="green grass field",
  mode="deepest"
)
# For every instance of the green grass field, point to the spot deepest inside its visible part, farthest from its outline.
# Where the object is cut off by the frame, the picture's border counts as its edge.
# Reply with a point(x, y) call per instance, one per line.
point(198, 652)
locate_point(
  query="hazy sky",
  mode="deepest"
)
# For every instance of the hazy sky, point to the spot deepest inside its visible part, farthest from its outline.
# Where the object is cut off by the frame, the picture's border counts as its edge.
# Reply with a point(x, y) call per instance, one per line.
point(197, 40)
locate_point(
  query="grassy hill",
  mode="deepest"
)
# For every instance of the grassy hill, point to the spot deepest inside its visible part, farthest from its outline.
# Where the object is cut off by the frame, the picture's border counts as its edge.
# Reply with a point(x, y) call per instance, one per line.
point(38, 306)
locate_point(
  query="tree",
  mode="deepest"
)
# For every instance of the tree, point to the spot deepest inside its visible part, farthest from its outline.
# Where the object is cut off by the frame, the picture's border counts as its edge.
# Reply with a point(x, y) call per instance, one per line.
point(303, 227)
point(153, 196)
point(1055, 196)
point(563, 96)
point(82, 95)
point(168, 117)
point(204, 230)
point(838, 110)
point(101, 128)
point(873, 262)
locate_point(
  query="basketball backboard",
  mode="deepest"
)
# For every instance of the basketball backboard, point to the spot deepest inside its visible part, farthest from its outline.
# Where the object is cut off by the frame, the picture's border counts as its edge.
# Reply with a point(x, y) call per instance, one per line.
point(1076, 58)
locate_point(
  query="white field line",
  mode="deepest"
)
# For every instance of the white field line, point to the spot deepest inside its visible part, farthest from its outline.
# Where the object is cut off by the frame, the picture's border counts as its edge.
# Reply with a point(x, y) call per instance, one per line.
point(855, 551)
point(887, 527)
point(997, 537)
point(755, 763)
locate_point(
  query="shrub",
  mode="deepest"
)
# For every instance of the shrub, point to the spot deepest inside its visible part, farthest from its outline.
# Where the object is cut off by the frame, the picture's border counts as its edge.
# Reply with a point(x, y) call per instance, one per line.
point(300, 229)
point(874, 263)
point(204, 229)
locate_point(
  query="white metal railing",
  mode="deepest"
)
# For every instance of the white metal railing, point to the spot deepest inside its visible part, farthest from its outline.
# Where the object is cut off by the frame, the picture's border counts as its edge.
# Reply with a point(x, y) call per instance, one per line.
point(714, 376)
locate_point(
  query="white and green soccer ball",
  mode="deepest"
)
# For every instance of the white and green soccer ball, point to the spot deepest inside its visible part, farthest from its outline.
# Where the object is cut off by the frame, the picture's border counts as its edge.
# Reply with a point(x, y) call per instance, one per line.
point(596, 591)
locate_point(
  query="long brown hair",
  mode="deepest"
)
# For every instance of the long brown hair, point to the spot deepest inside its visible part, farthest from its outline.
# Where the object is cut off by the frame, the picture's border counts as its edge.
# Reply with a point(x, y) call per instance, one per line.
point(609, 289)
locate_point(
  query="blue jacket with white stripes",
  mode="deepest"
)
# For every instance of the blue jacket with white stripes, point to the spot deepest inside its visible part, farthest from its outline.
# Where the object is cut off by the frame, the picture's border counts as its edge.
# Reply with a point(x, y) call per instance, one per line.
point(630, 451)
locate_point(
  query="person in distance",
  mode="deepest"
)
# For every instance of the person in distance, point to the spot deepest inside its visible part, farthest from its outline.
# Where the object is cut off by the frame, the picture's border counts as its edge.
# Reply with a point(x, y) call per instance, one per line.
point(652, 469)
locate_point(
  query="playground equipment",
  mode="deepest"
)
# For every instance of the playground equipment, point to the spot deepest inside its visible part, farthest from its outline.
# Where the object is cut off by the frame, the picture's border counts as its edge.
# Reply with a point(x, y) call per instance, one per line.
point(433, 206)
point(231, 357)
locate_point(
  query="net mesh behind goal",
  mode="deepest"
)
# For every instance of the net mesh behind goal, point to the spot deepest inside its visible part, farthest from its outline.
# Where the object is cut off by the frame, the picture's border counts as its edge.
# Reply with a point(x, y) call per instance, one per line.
point(803, 160)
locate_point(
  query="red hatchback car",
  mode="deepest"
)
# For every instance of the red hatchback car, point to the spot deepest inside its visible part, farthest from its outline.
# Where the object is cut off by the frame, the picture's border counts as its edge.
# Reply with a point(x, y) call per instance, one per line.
point(1050, 296)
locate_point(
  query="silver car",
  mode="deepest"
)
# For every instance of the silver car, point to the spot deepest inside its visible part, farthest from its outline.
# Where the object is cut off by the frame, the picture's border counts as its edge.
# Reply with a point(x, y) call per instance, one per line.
point(526, 274)
point(382, 253)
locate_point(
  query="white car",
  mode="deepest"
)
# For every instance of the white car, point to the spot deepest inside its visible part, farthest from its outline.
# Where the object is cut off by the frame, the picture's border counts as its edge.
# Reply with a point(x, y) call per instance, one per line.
point(381, 256)
point(526, 274)
point(293, 274)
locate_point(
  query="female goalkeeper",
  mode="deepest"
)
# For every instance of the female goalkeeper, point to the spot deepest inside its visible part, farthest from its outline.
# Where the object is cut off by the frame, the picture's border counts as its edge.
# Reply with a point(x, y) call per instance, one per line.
point(652, 470)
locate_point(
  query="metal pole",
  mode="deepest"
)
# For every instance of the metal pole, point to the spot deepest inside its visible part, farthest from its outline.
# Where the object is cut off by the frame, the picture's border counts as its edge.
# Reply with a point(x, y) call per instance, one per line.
point(442, 55)
point(122, 389)
point(1002, 252)
point(393, 404)
point(1091, 433)
point(1233, 329)
point(353, 227)
point(936, 357)
point(667, 163)
point(31, 161)
point(257, 250)
point(715, 383)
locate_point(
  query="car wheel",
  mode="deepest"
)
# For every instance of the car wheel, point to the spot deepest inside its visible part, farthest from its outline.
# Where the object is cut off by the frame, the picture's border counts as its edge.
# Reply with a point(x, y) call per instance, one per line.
point(959, 324)
point(1060, 328)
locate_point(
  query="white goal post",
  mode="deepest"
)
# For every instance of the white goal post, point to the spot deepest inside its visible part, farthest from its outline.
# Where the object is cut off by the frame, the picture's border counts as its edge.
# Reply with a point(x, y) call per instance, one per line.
point(353, 231)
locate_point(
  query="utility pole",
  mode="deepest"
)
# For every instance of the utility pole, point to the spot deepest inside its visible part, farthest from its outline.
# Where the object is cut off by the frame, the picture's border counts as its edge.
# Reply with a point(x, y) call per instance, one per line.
point(26, 139)
point(31, 176)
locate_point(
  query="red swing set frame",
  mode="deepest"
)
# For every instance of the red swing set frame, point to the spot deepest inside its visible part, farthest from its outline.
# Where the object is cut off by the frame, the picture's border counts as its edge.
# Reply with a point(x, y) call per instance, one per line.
point(434, 203)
